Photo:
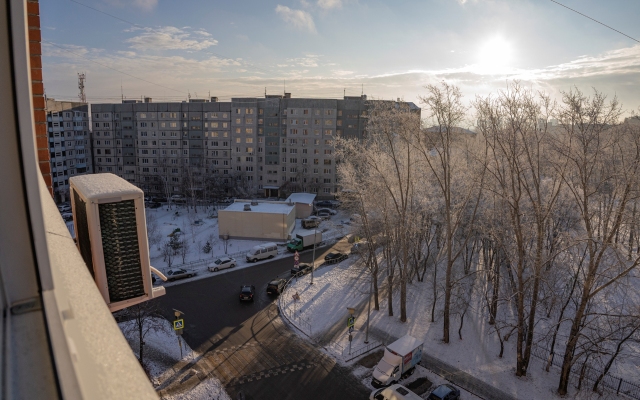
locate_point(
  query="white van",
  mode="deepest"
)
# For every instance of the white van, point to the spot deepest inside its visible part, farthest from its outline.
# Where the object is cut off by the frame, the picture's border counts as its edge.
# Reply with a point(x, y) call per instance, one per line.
point(394, 392)
point(262, 251)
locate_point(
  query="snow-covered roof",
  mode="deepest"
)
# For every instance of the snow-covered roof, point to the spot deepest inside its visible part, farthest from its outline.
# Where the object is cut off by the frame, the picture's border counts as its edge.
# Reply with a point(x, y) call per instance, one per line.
point(94, 186)
point(305, 198)
point(404, 345)
point(275, 207)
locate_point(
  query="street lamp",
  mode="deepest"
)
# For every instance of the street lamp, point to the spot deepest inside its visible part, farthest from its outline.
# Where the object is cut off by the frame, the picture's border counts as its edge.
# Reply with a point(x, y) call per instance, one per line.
point(313, 262)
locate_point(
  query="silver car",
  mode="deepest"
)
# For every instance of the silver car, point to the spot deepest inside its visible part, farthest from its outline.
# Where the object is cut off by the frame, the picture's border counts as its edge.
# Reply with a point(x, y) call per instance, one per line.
point(178, 273)
point(222, 263)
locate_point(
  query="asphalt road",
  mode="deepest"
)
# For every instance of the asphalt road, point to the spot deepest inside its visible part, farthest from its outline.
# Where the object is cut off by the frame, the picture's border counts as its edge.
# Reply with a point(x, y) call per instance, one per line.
point(247, 345)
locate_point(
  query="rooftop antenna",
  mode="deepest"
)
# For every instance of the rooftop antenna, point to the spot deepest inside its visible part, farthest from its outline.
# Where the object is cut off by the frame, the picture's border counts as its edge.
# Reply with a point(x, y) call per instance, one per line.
point(81, 95)
point(121, 92)
point(265, 92)
point(344, 92)
point(284, 85)
point(362, 93)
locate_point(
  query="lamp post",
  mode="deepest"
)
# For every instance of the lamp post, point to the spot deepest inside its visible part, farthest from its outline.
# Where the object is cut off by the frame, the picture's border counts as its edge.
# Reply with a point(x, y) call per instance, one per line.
point(313, 262)
point(366, 340)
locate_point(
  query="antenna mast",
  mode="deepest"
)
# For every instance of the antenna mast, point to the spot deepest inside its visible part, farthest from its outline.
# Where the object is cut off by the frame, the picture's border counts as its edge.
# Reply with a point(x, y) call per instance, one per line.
point(82, 96)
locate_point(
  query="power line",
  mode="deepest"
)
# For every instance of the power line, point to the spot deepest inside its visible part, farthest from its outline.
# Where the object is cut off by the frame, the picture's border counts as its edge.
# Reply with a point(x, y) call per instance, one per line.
point(595, 20)
point(111, 68)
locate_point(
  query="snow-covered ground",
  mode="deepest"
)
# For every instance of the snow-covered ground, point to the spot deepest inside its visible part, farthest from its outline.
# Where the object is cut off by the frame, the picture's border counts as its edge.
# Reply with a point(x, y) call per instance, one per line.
point(324, 306)
point(162, 352)
point(163, 221)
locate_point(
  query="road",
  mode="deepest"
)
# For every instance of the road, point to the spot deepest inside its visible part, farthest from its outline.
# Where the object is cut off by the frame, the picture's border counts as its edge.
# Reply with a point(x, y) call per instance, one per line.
point(246, 345)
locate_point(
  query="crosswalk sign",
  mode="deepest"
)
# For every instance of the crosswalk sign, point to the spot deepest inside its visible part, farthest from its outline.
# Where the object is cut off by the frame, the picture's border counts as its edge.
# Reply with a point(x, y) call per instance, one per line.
point(178, 324)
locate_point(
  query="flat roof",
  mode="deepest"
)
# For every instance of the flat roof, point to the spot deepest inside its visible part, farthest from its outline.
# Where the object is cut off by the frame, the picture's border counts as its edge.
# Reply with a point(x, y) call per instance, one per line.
point(306, 198)
point(274, 207)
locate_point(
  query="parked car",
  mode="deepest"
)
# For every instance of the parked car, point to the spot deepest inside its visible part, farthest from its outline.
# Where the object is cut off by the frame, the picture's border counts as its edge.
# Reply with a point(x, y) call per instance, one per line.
point(222, 263)
point(445, 392)
point(324, 203)
point(301, 269)
point(64, 208)
point(178, 273)
point(311, 222)
point(226, 200)
point(324, 214)
point(276, 286)
point(396, 392)
point(155, 205)
point(67, 216)
point(178, 199)
point(329, 210)
point(335, 257)
point(158, 199)
point(247, 292)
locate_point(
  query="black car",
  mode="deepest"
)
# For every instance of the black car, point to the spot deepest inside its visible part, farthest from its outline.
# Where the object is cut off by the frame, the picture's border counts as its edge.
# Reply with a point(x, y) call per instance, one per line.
point(276, 286)
point(445, 392)
point(158, 199)
point(333, 258)
point(247, 292)
point(324, 203)
point(301, 269)
point(155, 205)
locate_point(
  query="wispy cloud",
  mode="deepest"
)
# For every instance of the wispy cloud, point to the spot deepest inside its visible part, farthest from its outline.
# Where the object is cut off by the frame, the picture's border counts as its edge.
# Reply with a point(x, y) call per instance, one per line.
point(170, 38)
point(299, 19)
point(329, 4)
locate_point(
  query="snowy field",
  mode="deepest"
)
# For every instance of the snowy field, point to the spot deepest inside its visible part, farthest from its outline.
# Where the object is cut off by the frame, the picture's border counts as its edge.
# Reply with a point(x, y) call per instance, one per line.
point(162, 353)
point(323, 306)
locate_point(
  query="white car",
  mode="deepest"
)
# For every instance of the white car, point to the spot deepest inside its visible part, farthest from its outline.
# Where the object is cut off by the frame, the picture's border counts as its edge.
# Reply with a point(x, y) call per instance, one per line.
point(222, 263)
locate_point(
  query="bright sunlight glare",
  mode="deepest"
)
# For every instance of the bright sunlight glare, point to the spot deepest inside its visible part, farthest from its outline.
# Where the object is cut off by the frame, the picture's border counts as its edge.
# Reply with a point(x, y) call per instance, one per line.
point(494, 56)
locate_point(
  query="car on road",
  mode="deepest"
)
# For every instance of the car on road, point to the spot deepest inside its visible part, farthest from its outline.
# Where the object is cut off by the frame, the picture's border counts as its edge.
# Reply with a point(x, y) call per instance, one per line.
point(64, 208)
point(324, 203)
point(178, 273)
point(247, 292)
point(301, 269)
point(222, 263)
point(67, 216)
point(335, 257)
point(445, 392)
point(311, 222)
point(276, 286)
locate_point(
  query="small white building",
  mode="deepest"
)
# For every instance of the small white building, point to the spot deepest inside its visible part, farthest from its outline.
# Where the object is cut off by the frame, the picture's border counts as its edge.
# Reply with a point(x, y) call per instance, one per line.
point(261, 220)
point(303, 203)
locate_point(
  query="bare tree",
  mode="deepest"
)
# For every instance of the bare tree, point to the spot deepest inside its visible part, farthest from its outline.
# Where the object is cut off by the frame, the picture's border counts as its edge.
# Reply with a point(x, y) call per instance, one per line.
point(603, 180)
point(437, 149)
point(168, 253)
point(184, 249)
point(141, 319)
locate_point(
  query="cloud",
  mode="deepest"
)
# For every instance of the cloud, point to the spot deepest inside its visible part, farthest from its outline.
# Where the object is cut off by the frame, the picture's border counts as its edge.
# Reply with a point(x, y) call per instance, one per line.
point(309, 60)
point(297, 18)
point(170, 38)
point(329, 4)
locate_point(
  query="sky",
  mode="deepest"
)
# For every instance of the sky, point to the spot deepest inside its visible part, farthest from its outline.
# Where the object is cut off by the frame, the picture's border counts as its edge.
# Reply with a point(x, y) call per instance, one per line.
point(170, 50)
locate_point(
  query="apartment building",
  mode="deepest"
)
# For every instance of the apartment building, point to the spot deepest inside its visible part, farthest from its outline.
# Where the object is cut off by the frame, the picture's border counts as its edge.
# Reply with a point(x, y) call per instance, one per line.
point(267, 146)
point(69, 143)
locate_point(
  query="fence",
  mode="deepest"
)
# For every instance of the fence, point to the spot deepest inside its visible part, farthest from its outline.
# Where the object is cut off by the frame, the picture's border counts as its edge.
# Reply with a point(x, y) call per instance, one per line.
point(349, 354)
point(590, 376)
point(303, 324)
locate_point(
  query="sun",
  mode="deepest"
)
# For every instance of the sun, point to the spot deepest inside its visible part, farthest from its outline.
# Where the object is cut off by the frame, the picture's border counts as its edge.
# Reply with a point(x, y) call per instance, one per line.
point(494, 56)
